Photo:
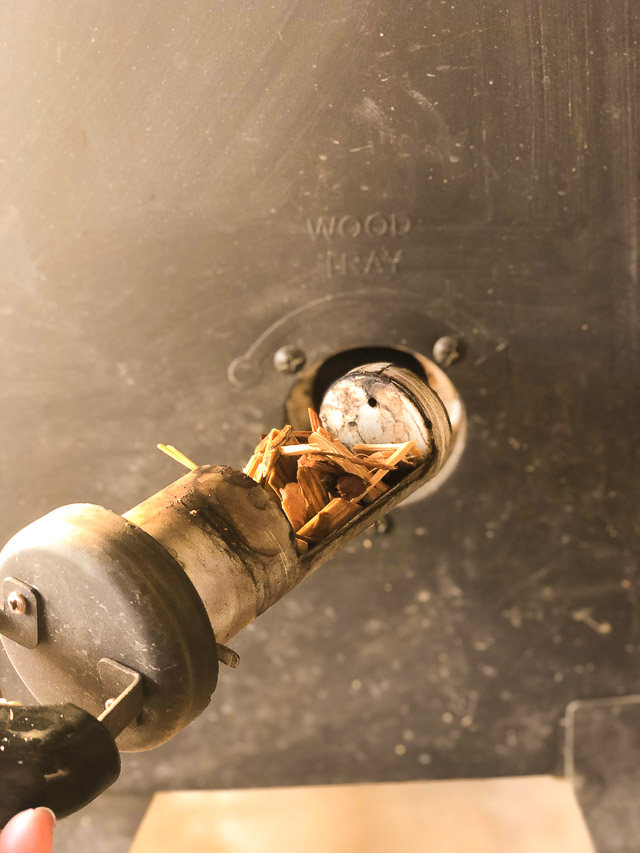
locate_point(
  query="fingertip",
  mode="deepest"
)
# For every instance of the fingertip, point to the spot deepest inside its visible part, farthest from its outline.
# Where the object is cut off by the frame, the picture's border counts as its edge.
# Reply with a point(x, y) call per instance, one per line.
point(45, 816)
point(30, 831)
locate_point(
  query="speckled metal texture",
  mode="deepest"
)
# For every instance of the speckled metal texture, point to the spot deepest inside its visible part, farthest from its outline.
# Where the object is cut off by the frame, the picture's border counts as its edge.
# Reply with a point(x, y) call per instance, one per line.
point(601, 759)
point(188, 189)
point(106, 589)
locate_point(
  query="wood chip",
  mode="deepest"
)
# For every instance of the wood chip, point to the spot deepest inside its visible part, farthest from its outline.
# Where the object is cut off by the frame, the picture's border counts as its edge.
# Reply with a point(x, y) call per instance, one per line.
point(319, 462)
point(178, 455)
point(299, 449)
point(287, 468)
point(313, 489)
point(377, 448)
point(350, 464)
point(294, 505)
point(351, 487)
point(373, 463)
point(396, 456)
point(314, 420)
point(265, 438)
point(274, 441)
point(252, 465)
point(384, 451)
point(336, 513)
point(406, 449)
point(319, 483)
point(276, 480)
point(371, 495)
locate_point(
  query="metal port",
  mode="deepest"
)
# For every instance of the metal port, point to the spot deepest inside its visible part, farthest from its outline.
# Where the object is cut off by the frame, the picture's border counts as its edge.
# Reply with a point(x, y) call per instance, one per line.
point(312, 384)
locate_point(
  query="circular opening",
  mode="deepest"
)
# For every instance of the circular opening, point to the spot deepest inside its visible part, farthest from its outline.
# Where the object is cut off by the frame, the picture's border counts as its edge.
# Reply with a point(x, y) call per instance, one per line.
point(326, 372)
point(311, 385)
point(373, 403)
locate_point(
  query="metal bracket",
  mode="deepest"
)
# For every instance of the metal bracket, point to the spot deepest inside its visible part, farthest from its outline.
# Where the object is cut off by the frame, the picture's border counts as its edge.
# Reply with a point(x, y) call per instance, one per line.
point(19, 616)
point(121, 694)
point(227, 656)
point(601, 761)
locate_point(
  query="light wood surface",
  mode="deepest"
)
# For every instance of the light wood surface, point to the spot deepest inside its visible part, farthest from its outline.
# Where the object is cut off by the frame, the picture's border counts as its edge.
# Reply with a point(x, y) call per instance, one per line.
point(522, 815)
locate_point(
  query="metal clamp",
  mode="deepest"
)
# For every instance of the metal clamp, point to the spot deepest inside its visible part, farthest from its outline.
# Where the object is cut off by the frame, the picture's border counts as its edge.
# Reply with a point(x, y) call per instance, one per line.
point(19, 616)
point(121, 694)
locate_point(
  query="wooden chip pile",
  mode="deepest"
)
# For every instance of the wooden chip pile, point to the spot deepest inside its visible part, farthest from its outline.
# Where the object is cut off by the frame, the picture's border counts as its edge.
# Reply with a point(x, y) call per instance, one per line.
point(319, 483)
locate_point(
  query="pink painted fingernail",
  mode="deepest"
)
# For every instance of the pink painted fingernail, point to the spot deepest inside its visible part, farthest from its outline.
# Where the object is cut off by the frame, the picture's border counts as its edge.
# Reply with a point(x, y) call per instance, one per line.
point(48, 811)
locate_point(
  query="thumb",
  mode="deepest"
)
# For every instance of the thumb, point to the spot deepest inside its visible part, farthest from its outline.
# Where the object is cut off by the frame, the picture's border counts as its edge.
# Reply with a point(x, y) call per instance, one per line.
point(30, 831)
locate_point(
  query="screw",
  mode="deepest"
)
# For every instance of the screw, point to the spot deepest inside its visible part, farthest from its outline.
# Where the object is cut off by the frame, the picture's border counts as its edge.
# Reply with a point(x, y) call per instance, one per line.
point(17, 603)
point(382, 525)
point(289, 359)
point(445, 350)
point(109, 703)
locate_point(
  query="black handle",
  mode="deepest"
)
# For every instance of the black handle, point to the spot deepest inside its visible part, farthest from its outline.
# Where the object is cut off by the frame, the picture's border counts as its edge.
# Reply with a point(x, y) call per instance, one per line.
point(53, 755)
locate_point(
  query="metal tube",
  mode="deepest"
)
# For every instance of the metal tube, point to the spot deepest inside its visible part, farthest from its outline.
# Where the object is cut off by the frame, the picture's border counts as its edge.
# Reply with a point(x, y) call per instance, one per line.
point(213, 550)
point(235, 543)
point(231, 539)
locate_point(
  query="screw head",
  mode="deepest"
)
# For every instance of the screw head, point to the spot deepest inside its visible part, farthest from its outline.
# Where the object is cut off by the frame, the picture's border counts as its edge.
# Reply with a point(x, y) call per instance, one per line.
point(289, 359)
point(382, 525)
point(17, 603)
point(445, 350)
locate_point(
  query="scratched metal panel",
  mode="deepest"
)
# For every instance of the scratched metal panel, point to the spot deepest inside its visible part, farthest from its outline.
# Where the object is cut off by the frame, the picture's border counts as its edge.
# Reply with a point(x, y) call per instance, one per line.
point(601, 759)
point(183, 189)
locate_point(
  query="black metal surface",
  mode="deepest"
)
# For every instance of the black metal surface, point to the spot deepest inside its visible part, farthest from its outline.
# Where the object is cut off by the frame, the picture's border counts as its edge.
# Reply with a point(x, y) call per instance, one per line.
point(161, 172)
point(601, 758)
point(53, 755)
point(108, 590)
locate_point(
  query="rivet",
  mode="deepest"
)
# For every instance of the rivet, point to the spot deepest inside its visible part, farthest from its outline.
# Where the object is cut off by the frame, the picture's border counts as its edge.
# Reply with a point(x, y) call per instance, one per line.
point(289, 359)
point(445, 350)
